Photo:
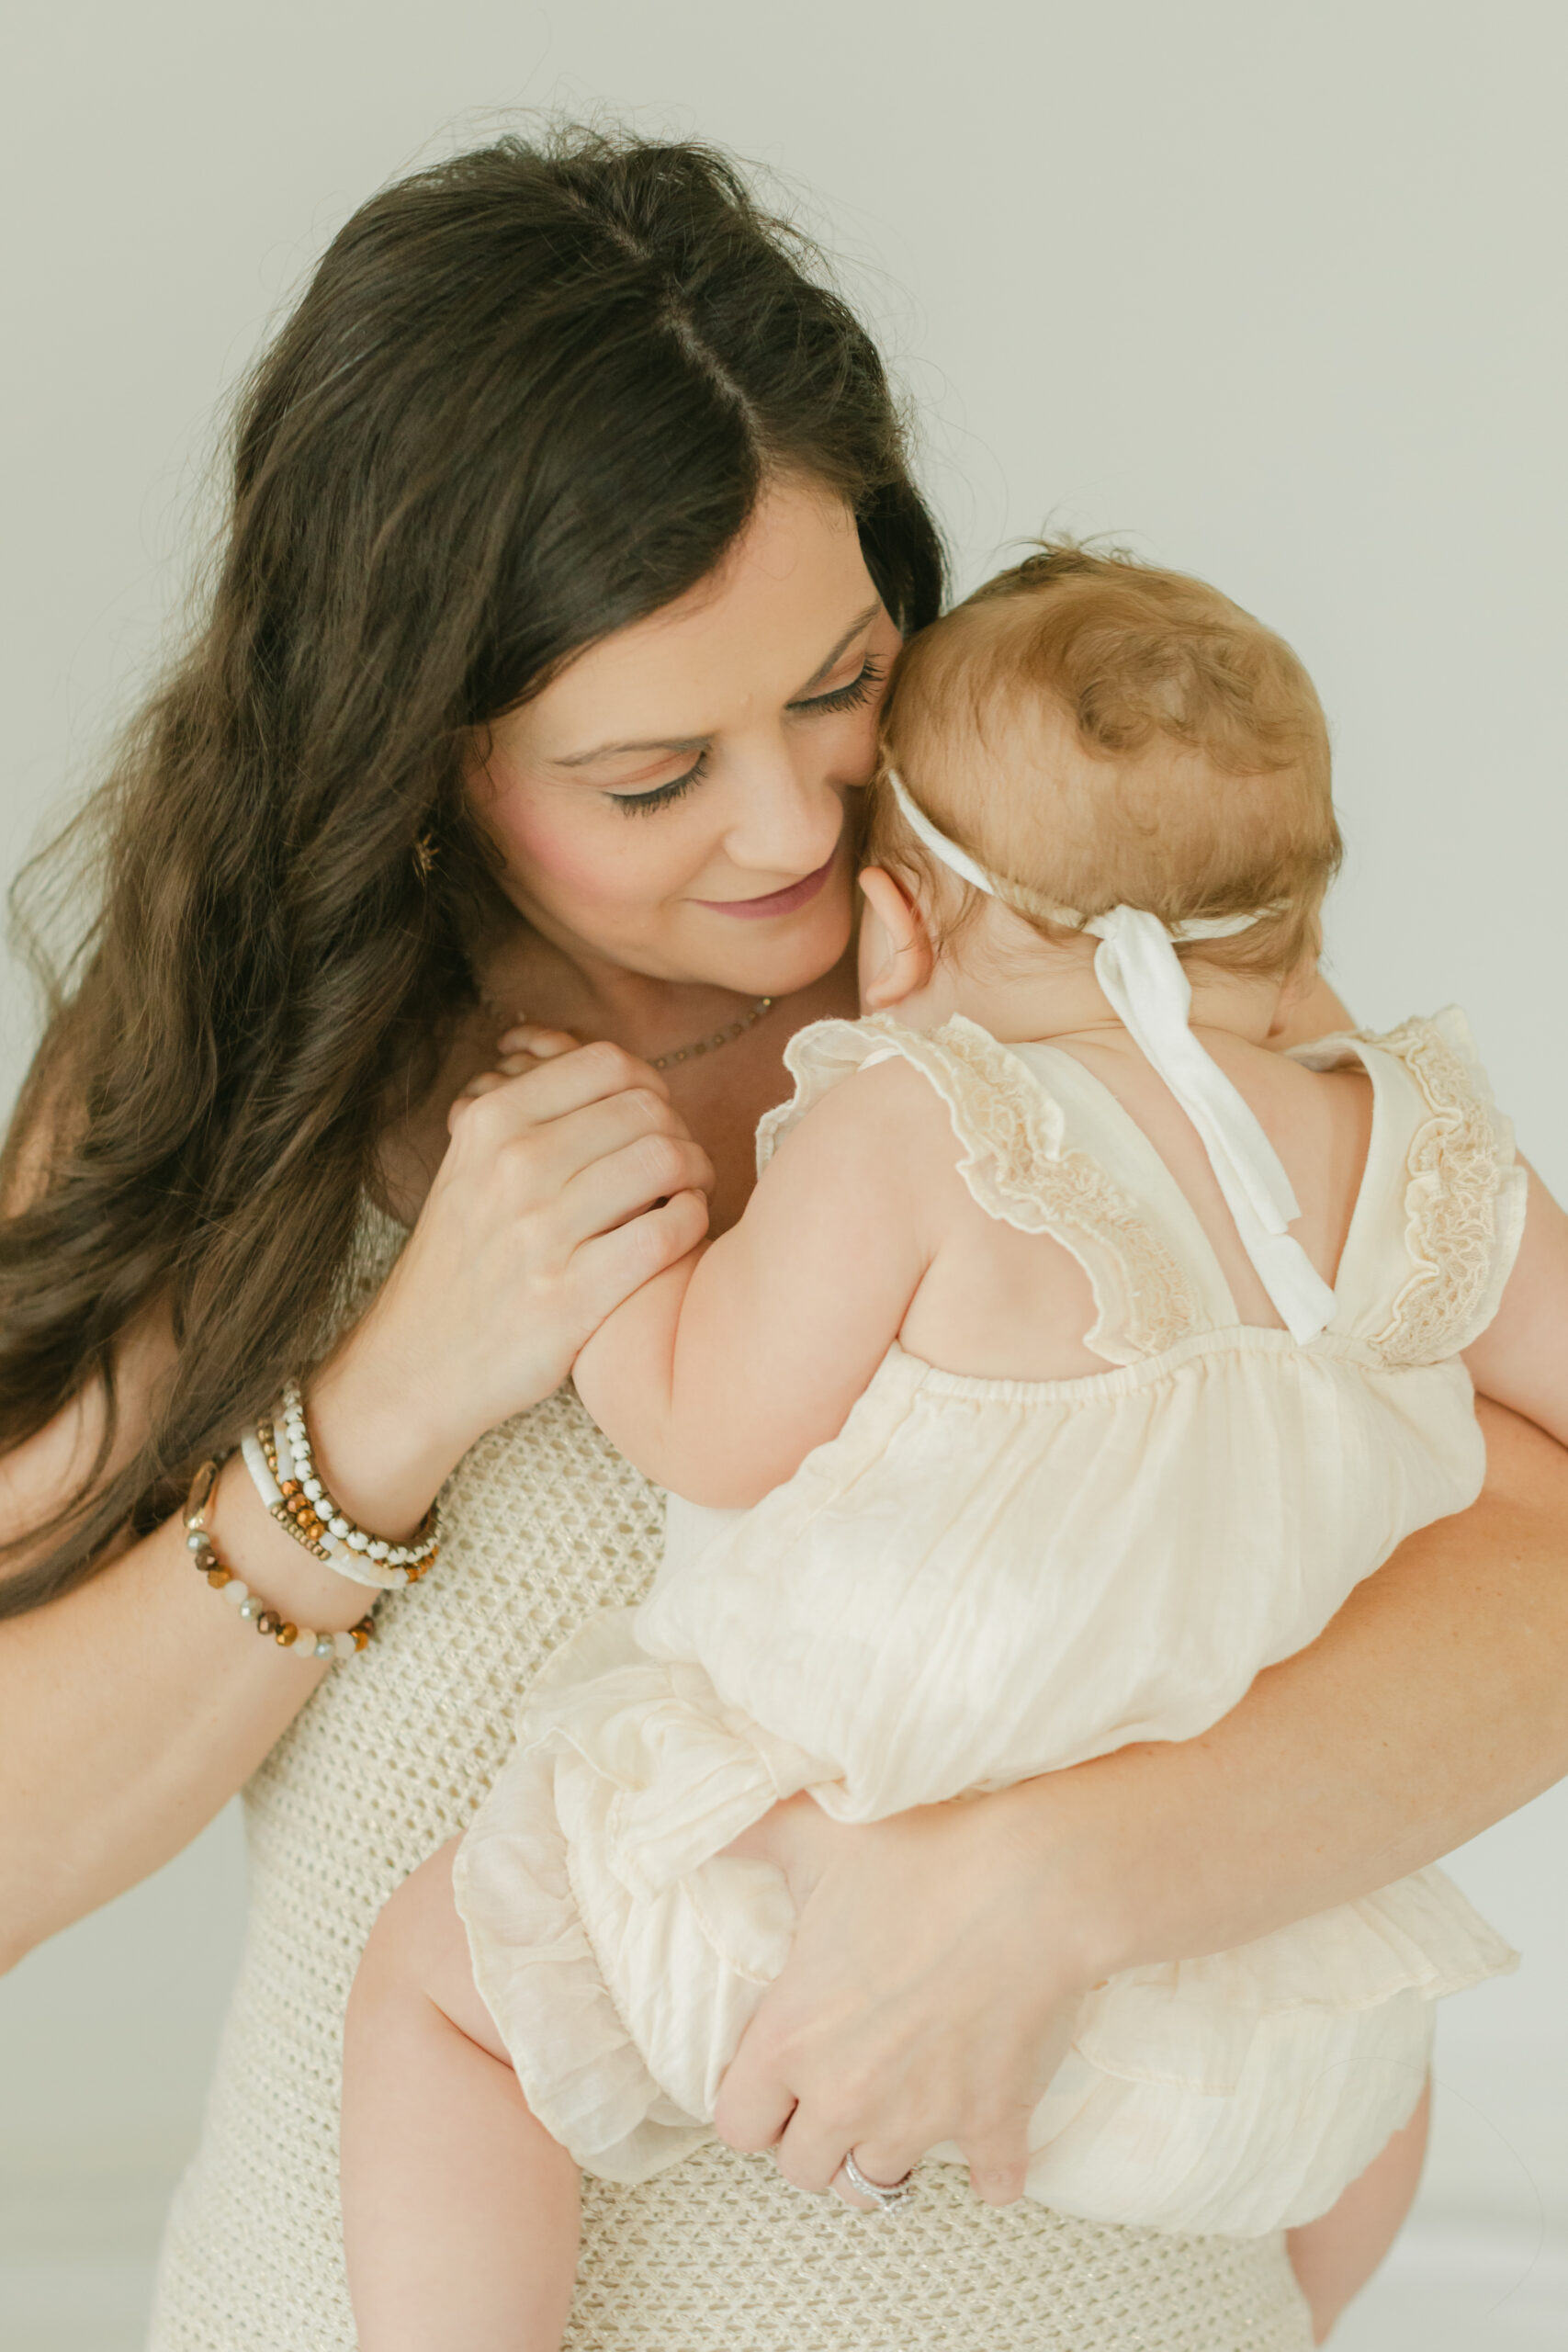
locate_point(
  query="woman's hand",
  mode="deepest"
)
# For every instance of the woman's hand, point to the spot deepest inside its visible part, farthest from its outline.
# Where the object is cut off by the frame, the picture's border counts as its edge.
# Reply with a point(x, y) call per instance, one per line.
point(926, 1999)
point(569, 1181)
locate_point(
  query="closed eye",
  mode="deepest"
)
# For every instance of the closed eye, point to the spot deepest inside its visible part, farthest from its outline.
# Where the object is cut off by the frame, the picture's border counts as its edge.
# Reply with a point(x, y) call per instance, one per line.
point(664, 794)
point(851, 698)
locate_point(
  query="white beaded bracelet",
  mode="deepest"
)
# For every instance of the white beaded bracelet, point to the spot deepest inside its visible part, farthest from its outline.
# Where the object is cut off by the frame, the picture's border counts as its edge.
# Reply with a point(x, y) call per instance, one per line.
point(292, 1439)
point(321, 1539)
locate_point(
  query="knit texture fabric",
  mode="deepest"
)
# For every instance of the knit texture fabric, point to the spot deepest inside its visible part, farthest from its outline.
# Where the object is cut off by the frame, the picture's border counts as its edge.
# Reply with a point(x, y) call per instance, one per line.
point(544, 1525)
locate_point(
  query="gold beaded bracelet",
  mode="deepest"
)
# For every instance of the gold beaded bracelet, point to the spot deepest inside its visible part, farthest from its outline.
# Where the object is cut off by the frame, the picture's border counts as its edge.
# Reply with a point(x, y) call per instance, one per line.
point(269, 1623)
point(316, 1525)
point(282, 1464)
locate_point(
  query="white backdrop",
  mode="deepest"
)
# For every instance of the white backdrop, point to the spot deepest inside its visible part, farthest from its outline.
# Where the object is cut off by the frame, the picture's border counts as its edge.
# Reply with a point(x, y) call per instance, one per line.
point(1272, 290)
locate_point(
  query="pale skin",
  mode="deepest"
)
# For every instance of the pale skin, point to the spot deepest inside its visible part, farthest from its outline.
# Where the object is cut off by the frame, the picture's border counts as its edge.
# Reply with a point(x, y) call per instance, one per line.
point(1436, 1702)
point(716, 1379)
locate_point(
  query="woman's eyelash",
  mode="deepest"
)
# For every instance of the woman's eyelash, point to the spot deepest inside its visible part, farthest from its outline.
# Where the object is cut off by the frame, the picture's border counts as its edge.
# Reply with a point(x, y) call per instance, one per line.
point(849, 698)
point(664, 794)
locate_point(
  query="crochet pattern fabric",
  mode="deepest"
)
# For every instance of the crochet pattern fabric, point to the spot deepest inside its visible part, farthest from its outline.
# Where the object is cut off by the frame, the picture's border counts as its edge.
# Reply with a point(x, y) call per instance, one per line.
point(544, 1525)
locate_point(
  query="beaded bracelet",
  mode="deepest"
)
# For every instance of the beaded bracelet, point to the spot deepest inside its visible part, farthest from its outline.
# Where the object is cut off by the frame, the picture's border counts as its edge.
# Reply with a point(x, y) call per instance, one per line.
point(298, 1640)
point(282, 1468)
point(324, 1521)
point(294, 1514)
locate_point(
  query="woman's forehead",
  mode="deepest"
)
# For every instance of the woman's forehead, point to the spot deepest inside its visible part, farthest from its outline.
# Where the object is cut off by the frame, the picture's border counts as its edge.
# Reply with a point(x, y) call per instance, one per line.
point(791, 592)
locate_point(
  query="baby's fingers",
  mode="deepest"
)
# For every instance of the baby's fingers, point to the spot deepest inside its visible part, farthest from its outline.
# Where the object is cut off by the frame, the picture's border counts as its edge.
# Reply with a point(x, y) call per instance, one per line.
point(486, 1083)
point(528, 1038)
point(521, 1049)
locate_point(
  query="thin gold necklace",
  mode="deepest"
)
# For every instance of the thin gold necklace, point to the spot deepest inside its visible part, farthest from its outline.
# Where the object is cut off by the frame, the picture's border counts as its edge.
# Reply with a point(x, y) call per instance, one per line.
point(720, 1038)
point(684, 1053)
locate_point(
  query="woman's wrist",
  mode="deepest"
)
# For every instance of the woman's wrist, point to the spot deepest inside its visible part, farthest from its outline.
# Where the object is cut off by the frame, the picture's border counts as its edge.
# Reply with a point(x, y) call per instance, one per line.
point(382, 1456)
point(1031, 1857)
point(1063, 1838)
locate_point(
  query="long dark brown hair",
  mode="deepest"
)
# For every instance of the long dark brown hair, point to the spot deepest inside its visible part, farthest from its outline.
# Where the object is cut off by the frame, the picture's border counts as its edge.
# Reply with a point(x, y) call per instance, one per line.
point(529, 397)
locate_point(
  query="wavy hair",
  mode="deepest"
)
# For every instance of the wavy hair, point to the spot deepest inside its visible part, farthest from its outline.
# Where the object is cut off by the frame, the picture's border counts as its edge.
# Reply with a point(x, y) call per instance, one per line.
point(529, 396)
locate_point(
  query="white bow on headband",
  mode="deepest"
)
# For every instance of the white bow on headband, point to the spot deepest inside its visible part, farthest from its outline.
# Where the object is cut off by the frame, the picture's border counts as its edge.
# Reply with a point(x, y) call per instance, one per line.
point(1141, 976)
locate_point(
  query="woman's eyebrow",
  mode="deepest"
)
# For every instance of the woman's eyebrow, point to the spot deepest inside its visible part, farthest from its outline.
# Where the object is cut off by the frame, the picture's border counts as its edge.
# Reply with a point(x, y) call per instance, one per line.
point(862, 620)
point(695, 743)
point(610, 751)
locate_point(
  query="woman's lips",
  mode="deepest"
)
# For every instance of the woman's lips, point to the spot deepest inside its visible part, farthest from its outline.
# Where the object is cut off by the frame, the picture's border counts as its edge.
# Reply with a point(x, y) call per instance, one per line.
point(776, 902)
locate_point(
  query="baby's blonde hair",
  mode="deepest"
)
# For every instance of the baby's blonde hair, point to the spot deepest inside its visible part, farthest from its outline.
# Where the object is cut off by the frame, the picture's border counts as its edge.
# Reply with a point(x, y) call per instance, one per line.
point(1141, 663)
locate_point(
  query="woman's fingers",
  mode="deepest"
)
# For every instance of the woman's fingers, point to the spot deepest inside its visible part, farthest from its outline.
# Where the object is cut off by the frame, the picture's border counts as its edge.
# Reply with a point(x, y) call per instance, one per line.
point(486, 1083)
point(532, 1106)
point(814, 2145)
point(498, 1135)
point(590, 1171)
point(619, 1184)
point(565, 1187)
point(552, 1088)
point(609, 1268)
point(922, 2002)
point(885, 2170)
point(998, 2164)
point(753, 2110)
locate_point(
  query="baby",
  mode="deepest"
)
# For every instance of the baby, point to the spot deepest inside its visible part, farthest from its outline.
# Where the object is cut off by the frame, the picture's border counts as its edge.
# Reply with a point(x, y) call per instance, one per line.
point(1077, 1353)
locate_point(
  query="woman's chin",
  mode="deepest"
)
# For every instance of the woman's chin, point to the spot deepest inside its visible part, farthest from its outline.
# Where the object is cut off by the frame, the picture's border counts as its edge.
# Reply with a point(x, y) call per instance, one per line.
point(776, 958)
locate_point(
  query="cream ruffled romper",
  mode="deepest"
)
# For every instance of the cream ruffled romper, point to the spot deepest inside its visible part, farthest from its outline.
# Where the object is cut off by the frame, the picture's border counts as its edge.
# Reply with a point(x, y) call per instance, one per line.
point(980, 1580)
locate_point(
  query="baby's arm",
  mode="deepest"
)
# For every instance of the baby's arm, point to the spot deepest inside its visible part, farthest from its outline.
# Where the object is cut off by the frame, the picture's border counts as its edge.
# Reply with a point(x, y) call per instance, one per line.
point(1521, 1358)
point(718, 1377)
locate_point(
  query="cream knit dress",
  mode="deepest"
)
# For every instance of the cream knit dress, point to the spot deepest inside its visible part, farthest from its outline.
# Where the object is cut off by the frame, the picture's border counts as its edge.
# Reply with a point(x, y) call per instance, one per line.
point(545, 1526)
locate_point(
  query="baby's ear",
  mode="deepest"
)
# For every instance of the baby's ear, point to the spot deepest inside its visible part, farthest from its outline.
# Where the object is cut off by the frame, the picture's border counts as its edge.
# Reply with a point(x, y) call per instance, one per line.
point(895, 957)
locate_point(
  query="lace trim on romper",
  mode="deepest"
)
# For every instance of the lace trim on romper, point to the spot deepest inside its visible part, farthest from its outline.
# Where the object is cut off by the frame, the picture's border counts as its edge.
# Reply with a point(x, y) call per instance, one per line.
point(1018, 1166)
point(1464, 1197)
point(1155, 1276)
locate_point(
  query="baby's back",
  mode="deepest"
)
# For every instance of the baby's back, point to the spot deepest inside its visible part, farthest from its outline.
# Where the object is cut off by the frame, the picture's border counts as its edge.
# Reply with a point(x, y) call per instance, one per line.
point(1006, 1303)
point(1102, 1530)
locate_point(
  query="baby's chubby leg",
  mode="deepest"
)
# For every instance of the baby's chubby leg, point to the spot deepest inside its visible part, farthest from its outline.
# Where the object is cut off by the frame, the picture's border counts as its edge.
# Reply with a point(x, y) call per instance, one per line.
point(1335, 2255)
point(460, 2212)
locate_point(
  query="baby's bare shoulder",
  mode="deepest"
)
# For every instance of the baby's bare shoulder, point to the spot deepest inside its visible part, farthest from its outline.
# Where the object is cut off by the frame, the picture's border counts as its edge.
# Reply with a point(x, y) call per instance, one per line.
point(882, 1108)
point(882, 1137)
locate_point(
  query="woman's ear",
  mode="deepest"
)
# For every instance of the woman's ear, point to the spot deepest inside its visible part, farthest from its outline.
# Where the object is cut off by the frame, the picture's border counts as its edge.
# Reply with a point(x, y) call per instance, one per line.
point(895, 958)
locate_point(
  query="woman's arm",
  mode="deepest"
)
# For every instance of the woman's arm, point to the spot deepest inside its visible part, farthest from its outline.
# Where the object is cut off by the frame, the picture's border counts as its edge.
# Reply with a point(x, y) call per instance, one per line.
point(135, 1707)
point(941, 1955)
point(1521, 1358)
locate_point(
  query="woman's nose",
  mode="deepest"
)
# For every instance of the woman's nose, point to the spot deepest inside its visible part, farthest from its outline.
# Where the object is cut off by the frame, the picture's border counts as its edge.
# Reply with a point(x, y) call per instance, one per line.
point(787, 817)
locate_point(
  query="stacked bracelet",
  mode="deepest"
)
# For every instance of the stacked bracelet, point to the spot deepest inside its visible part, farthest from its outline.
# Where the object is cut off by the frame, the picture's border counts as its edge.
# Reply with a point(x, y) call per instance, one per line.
point(283, 1470)
point(298, 1640)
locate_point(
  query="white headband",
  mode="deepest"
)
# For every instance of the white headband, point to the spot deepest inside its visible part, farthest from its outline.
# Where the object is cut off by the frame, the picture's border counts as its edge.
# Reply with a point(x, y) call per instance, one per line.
point(1141, 976)
point(958, 861)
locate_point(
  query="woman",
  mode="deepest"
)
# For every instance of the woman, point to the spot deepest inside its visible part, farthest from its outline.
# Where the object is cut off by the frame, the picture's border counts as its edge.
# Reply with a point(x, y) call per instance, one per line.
point(573, 538)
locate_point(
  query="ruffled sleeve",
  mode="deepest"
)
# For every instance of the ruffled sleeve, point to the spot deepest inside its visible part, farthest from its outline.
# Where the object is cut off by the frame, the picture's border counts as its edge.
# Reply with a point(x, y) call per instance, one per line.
point(1018, 1164)
point(1456, 1199)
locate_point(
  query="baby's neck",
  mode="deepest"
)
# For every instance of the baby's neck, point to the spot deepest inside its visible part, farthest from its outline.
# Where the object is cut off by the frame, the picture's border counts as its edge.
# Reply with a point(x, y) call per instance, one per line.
point(1062, 1000)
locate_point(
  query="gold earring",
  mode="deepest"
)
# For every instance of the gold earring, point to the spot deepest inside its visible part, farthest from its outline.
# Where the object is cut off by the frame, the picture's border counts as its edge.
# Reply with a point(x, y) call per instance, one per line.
point(426, 853)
